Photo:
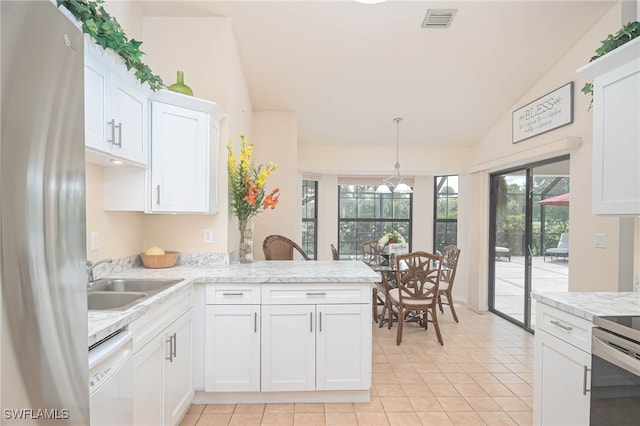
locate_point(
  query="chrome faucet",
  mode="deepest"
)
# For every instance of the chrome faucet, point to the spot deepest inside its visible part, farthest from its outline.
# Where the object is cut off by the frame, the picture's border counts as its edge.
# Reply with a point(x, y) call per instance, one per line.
point(91, 266)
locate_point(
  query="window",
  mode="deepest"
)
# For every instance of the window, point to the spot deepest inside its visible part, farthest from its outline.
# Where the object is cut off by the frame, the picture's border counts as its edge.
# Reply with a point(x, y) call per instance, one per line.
point(310, 217)
point(446, 212)
point(364, 215)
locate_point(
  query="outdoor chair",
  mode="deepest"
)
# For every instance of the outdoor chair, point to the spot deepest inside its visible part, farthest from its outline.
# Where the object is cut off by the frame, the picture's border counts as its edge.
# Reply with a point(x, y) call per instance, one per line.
point(562, 250)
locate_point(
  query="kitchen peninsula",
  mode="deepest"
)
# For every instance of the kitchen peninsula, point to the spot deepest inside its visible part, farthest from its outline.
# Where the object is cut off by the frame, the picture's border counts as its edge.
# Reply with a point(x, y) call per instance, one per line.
point(269, 331)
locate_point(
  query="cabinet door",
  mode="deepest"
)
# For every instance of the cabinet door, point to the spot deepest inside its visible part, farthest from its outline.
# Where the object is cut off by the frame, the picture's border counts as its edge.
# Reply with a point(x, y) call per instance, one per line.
point(232, 360)
point(130, 115)
point(97, 83)
point(343, 354)
point(178, 375)
point(179, 159)
point(616, 136)
point(561, 380)
point(148, 366)
point(288, 347)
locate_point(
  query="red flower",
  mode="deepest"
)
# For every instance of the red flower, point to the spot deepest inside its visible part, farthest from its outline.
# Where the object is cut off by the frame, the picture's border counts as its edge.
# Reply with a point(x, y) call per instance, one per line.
point(251, 197)
point(271, 200)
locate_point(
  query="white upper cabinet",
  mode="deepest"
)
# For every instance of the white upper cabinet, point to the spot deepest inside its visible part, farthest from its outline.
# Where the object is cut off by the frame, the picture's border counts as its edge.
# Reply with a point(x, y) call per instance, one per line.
point(116, 110)
point(184, 140)
point(616, 130)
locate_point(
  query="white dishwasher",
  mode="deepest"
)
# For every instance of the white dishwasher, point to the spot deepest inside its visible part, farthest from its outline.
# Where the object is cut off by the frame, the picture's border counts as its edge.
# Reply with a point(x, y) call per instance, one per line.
point(111, 380)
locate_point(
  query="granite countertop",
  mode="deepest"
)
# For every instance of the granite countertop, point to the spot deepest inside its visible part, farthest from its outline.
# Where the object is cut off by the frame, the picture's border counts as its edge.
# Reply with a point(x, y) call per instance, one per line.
point(592, 304)
point(103, 323)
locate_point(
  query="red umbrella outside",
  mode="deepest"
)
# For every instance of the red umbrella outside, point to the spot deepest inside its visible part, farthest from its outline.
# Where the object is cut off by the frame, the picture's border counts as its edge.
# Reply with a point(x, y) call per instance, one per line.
point(558, 200)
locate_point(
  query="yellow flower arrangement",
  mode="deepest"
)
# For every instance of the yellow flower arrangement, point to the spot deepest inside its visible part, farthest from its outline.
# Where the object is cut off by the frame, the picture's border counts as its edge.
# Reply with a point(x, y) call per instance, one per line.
point(247, 184)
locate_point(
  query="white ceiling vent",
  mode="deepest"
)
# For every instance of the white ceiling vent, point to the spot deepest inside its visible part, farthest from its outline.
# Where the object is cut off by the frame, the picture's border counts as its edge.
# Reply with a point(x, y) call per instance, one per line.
point(438, 18)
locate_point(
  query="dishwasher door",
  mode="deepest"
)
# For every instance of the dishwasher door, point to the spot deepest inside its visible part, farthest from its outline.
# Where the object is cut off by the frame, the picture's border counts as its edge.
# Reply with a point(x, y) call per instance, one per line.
point(111, 381)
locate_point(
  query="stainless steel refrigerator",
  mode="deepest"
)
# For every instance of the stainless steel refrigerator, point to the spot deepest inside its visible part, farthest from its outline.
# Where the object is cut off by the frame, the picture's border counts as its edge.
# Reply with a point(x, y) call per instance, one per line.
point(43, 346)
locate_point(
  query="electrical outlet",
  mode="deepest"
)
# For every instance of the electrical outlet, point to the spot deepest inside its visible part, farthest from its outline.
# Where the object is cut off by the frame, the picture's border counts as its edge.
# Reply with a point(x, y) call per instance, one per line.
point(208, 236)
point(95, 241)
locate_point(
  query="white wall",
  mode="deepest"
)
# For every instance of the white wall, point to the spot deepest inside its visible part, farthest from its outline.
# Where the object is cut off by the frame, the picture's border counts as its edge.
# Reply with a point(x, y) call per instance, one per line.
point(275, 138)
point(590, 269)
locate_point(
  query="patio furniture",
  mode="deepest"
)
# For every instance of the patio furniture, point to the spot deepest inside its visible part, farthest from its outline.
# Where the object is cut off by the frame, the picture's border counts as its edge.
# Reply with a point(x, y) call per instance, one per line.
point(562, 250)
point(503, 252)
point(278, 247)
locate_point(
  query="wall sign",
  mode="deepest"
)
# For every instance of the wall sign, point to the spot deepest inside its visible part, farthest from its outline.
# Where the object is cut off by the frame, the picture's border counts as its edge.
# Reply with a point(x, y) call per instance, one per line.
point(544, 114)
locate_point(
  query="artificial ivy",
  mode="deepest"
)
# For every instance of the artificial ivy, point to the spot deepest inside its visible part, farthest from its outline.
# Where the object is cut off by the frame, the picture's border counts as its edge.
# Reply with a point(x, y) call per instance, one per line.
point(105, 30)
point(624, 35)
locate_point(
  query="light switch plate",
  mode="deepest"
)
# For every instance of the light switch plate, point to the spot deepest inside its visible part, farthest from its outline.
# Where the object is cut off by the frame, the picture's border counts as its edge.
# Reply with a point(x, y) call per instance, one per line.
point(208, 236)
point(601, 240)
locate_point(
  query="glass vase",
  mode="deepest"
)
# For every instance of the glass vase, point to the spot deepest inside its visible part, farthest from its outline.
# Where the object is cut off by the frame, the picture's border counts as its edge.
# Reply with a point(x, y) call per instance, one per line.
point(180, 87)
point(245, 250)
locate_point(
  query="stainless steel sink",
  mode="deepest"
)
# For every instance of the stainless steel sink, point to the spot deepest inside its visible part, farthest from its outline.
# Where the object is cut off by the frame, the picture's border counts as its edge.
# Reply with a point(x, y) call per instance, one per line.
point(121, 294)
point(141, 285)
point(104, 300)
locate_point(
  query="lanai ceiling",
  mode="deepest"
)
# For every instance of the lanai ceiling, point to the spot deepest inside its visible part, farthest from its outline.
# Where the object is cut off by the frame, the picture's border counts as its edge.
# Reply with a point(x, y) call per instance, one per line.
point(348, 68)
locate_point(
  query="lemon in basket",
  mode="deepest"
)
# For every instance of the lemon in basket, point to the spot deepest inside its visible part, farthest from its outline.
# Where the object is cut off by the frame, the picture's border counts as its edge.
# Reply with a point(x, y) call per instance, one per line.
point(154, 251)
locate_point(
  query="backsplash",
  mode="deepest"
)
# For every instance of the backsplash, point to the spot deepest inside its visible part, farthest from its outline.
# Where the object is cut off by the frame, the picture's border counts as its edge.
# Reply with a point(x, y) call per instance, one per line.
point(187, 259)
point(636, 283)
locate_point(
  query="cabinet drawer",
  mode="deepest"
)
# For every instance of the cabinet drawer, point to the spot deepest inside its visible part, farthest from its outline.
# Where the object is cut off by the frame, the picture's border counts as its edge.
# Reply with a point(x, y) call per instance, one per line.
point(565, 326)
point(305, 294)
point(233, 294)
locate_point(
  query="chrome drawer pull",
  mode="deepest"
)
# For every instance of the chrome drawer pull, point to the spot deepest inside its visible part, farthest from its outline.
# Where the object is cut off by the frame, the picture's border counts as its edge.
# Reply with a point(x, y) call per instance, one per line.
point(255, 322)
point(322, 293)
point(562, 326)
point(584, 381)
point(233, 294)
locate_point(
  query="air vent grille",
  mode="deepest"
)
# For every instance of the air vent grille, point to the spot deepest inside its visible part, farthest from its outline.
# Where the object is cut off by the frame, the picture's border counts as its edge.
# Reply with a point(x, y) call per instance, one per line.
point(438, 18)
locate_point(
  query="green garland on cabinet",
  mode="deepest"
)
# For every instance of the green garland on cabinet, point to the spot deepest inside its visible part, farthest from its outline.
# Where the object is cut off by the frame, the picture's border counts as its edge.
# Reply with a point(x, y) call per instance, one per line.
point(624, 35)
point(105, 30)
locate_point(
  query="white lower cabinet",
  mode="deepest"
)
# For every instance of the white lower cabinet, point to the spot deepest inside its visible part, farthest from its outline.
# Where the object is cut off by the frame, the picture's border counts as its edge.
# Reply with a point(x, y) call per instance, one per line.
point(315, 347)
point(162, 362)
point(262, 339)
point(562, 368)
point(233, 348)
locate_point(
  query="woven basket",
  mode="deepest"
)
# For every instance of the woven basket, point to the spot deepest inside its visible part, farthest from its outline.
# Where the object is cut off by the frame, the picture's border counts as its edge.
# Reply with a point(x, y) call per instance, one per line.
point(158, 261)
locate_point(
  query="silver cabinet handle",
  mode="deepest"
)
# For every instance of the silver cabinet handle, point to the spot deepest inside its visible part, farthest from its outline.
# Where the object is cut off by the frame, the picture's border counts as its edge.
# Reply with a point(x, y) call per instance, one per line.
point(255, 322)
point(158, 195)
point(321, 293)
point(233, 294)
point(562, 326)
point(320, 321)
point(112, 122)
point(172, 350)
point(584, 381)
point(175, 345)
point(311, 322)
point(119, 127)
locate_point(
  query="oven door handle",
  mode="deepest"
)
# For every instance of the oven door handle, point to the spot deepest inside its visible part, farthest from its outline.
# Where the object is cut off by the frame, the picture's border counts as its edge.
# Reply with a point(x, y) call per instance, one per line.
point(601, 349)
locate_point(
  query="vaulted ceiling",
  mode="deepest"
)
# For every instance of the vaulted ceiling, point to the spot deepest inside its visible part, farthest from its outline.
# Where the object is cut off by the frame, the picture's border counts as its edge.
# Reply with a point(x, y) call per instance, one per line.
point(347, 69)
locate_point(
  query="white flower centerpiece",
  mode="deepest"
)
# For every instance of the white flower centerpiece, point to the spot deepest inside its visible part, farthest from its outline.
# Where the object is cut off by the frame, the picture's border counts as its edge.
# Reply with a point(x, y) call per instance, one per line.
point(391, 237)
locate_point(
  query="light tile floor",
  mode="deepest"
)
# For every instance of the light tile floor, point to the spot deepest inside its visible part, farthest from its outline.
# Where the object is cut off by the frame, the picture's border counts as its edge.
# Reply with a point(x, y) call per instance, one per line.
point(483, 375)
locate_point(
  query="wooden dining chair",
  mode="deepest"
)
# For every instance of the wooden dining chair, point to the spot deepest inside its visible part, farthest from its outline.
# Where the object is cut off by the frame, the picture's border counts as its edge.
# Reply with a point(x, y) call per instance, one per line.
point(278, 247)
point(416, 295)
point(334, 253)
point(372, 256)
point(450, 256)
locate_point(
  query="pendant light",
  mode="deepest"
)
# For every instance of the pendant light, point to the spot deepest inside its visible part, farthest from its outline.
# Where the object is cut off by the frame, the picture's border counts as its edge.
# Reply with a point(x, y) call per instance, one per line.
point(400, 187)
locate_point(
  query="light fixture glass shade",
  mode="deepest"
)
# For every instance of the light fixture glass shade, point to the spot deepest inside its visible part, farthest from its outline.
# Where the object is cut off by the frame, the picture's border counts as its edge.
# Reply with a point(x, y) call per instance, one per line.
point(383, 189)
point(402, 188)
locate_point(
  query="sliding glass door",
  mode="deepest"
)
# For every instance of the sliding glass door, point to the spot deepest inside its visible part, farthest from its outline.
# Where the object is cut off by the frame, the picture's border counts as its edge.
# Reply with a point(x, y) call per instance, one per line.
point(523, 228)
